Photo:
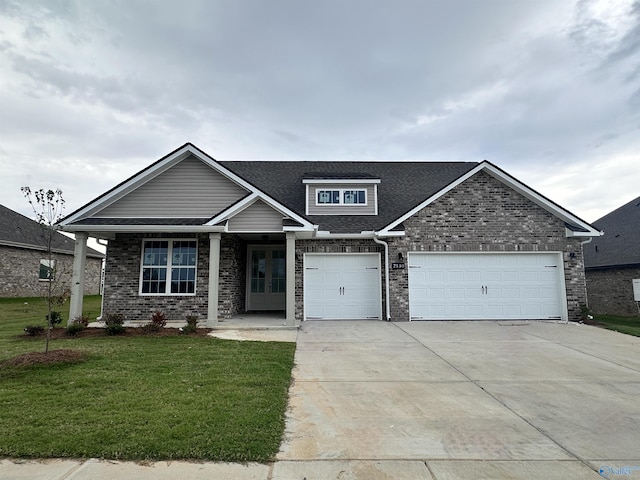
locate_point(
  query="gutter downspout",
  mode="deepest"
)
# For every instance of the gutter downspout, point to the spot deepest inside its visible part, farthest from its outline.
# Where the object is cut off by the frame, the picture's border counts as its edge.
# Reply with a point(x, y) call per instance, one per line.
point(586, 292)
point(386, 273)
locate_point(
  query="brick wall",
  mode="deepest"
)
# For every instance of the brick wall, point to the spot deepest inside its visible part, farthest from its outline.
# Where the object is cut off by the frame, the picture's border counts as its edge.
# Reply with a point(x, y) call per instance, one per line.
point(122, 279)
point(483, 215)
point(611, 290)
point(19, 268)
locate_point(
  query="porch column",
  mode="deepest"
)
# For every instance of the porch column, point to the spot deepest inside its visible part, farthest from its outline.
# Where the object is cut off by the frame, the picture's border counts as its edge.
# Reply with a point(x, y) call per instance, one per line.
point(214, 276)
point(291, 279)
point(77, 277)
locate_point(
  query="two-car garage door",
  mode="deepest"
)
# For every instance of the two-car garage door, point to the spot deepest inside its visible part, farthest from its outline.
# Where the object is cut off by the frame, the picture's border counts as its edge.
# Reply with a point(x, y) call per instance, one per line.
point(491, 286)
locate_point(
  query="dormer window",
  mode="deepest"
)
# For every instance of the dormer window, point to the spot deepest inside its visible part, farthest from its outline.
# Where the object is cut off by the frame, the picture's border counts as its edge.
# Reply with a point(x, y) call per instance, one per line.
point(341, 197)
point(335, 194)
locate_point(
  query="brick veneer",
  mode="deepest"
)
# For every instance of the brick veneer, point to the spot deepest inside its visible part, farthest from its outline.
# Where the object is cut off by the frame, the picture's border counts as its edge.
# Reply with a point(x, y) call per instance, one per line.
point(483, 215)
point(122, 279)
point(19, 269)
point(611, 290)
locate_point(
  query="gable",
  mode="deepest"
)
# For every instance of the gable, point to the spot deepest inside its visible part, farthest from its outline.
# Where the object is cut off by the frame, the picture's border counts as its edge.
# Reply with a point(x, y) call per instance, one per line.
point(187, 189)
point(258, 217)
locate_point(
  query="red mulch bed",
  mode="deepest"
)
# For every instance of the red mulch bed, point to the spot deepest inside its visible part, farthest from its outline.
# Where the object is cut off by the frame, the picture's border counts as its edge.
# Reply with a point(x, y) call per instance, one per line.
point(41, 358)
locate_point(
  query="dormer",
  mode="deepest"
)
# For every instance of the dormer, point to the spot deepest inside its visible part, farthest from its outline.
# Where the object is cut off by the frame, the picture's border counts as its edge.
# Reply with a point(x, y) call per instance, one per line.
point(341, 194)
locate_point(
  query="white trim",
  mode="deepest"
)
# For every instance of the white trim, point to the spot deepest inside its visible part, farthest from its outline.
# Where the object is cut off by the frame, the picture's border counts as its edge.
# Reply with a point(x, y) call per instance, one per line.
point(513, 184)
point(144, 228)
point(169, 266)
point(353, 181)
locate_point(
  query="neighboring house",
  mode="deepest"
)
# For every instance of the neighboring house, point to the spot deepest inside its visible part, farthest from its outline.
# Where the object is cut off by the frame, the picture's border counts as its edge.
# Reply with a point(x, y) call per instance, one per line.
point(334, 240)
point(612, 262)
point(24, 263)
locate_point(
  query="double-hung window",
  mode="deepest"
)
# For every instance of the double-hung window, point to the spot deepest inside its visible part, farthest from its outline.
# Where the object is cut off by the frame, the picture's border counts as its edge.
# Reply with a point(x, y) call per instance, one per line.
point(341, 197)
point(168, 267)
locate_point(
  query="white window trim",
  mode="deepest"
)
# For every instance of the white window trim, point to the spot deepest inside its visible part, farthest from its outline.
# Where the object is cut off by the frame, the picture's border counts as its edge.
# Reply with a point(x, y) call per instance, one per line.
point(51, 267)
point(168, 267)
point(341, 197)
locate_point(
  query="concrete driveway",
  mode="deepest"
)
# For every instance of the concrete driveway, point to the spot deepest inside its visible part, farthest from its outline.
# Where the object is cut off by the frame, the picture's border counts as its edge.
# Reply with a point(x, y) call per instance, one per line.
point(459, 400)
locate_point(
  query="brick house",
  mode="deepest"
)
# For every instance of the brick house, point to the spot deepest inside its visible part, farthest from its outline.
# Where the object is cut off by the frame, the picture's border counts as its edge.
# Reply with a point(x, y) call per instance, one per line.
point(24, 262)
point(334, 240)
point(612, 261)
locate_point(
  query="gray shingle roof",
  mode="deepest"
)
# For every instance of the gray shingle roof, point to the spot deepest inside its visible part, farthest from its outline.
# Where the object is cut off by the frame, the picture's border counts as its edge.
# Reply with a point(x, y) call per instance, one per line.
point(620, 244)
point(19, 231)
point(403, 185)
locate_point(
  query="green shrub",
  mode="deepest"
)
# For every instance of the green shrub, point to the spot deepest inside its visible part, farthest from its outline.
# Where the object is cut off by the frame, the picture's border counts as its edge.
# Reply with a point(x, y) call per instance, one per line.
point(114, 323)
point(74, 329)
point(34, 330)
point(56, 318)
point(192, 324)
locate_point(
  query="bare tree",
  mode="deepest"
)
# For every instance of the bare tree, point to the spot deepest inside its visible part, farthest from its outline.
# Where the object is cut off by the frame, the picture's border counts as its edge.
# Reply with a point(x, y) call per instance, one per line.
point(47, 206)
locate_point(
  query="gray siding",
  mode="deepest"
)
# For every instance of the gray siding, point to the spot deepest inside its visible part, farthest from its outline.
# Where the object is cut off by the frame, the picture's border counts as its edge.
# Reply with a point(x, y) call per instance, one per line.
point(368, 209)
point(259, 217)
point(188, 189)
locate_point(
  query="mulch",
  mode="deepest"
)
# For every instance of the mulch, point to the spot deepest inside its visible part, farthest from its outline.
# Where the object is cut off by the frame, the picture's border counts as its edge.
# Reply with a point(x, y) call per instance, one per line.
point(42, 358)
point(61, 333)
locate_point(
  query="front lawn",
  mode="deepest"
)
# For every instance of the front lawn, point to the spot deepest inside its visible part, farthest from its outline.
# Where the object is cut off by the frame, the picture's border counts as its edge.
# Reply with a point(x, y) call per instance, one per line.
point(141, 398)
point(628, 325)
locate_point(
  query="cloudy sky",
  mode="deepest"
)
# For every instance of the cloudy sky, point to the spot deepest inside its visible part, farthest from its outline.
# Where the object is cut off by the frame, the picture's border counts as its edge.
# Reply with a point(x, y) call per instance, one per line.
point(91, 91)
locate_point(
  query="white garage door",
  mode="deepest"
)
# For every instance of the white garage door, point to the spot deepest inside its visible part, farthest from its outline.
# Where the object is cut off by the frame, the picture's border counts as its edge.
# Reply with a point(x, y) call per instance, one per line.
point(486, 286)
point(342, 286)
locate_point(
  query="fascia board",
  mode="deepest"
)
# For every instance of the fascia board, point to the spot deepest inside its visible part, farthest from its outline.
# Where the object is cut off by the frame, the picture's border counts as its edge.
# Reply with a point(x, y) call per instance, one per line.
point(142, 228)
point(340, 181)
point(234, 209)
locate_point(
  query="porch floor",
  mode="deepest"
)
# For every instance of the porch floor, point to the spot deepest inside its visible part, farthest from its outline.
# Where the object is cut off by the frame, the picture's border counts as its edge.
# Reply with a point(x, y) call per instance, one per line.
point(256, 321)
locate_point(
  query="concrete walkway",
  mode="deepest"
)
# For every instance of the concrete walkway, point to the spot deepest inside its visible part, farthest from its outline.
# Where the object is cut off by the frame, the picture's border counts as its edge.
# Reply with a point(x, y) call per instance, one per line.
point(437, 400)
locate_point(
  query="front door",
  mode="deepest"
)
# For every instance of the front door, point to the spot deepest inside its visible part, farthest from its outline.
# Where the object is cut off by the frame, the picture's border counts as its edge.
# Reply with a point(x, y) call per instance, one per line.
point(266, 278)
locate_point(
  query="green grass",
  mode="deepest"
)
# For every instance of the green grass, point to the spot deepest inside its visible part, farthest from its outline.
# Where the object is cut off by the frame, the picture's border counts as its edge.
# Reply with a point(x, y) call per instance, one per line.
point(628, 325)
point(141, 398)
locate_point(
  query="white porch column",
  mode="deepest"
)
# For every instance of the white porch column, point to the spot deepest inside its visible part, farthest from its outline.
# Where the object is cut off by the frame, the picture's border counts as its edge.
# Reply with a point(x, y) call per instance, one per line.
point(77, 277)
point(291, 279)
point(214, 276)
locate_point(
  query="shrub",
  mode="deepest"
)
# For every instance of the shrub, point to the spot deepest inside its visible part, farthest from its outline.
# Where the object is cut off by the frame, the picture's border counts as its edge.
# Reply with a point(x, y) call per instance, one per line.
point(74, 329)
point(34, 330)
point(114, 323)
point(192, 324)
point(56, 318)
point(81, 320)
point(157, 322)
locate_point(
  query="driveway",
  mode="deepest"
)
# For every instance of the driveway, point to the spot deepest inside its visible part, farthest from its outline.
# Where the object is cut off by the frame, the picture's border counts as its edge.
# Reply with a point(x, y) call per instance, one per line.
point(449, 400)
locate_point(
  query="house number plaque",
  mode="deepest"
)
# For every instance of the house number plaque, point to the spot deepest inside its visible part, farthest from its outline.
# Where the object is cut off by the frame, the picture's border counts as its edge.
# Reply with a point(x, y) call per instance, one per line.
point(397, 266)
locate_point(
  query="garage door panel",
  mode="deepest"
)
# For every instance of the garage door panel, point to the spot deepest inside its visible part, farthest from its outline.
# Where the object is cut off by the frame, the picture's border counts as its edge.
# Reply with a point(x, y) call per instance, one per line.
point(496, 286)
point(342, 286)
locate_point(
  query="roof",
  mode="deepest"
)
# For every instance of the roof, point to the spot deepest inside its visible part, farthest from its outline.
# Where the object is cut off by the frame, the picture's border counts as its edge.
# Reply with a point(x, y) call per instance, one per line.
point(620, 244)
point(403, 185)
point(16, 230)
point(403, 188)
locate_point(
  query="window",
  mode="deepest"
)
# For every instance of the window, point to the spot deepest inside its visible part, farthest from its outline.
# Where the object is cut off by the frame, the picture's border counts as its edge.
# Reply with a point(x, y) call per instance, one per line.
point(168, 267)
point(47, 270)
point(341, 197)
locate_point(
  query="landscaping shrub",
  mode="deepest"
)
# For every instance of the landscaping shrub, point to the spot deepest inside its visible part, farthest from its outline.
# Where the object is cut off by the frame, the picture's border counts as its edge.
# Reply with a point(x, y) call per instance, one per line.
point(114, 323)
point(74, 329)
point(158, 321)
point(192, 324)
point(34, 330)
point(56, 318)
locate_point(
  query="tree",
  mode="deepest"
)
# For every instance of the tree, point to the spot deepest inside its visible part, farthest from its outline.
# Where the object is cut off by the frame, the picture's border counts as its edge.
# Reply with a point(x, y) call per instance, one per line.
point(47, 206)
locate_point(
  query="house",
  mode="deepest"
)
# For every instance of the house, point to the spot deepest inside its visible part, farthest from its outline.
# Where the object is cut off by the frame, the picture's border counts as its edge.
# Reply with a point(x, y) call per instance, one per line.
point(25, 270)
point(612, 261)
point(334, 240)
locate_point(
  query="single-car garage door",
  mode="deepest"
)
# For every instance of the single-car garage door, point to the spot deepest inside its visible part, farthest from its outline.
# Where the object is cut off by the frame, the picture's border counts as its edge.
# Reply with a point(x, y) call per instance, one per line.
point(342, 286)
point(486, 286)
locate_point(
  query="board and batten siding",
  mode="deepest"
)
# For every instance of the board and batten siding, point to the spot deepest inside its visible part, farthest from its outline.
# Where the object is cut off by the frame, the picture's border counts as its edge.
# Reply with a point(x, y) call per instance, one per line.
point(368, 209)
point(188, 189)
point(258, 217)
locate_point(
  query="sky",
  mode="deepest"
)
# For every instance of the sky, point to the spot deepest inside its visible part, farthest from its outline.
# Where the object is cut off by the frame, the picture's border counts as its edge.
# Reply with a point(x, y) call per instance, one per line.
point(92, 91)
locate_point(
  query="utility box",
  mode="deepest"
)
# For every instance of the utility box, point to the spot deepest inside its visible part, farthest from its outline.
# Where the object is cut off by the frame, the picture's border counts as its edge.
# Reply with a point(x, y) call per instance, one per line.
point(636, 289)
